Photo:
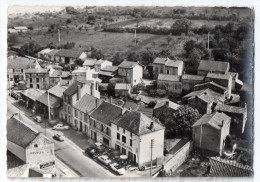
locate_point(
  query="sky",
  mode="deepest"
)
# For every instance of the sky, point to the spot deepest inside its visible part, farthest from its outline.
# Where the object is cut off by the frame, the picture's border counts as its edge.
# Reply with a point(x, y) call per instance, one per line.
point(33, 9)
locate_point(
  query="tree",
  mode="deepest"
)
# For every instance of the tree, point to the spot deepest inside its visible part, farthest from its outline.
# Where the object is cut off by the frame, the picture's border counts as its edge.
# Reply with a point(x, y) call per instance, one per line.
point(189, 46)
point(79, 62)
point(165, 53)
point(193, 61)
point(97, 54)
point(148, 57)
point(68, 21)
point(30, 48)
point(218, 35)
point(133, 56)
point(96, 28)
point(169, 39)
point(118, 59)
point(181, 26)
point(12, 38)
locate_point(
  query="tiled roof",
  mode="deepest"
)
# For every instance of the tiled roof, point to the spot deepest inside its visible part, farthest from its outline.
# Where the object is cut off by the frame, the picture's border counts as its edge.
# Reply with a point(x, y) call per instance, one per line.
point(215, 66)
point(106, 73)
point(20, 63)
point(106, 112)
point(89, 62)
point(87, 103)
point(58, 73)
point(57, 91)
point(69, 53)
point(54, 101)
point(44, 51)
point(32, 93)
point(206, 94)
point(128, 64)
point(160, 60)
point(17, 172)
point(165, 77)
point(227, 168)
point(168, 62)
point(20, 133)
point(214, 119)
point(136, 123)
point(52, 52)
point(72, 89)
point(110, 68)
point(122, 86)
point(162, 103)
point(40, 70)
point(192, 77)
point(210, 83)
point(218, 76)
point(230, 109)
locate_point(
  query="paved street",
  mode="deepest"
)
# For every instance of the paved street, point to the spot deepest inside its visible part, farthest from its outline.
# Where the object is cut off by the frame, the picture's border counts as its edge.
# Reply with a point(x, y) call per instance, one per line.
point(67, 151)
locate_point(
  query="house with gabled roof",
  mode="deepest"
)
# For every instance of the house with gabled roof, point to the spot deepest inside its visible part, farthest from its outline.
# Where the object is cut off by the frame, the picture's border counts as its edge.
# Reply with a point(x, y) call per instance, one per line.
point(171, 83)
point(218, 67)
point(132, 133)
point(210, 131)
point(131, 72)
point(167, 66)
point(68, 56)
point(107, 73)
point(164, 106)
point(188, 81)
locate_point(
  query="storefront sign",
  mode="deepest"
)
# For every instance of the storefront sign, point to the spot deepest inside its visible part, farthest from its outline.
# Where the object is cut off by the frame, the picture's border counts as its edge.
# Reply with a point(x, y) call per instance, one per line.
point(47, 164)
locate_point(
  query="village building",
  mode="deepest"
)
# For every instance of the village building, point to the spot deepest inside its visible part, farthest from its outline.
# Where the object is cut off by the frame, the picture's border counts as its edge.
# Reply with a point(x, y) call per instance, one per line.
point(89, 62)
point(210, 131)
point(238, 117)
point(69, 56)
point(132, 134)
point(43, 54)
point(228, 168)
point(51, 55)
point(122, 89)
point(30, 146)
point(164, 106)
point(213, 86)
point(132, 72)
point(171, 83)
point(18, 29)
point(236, 83)
point(81, 112)
point(217, 67)
point(188, 81)
point(100, 64)
point(167, 66)
point(107, 73)
point(29, 97)
point(56, 76)
point(73, 93)
point(53, 99)
point(204, 100)
point(37, 78)
point(16, 67)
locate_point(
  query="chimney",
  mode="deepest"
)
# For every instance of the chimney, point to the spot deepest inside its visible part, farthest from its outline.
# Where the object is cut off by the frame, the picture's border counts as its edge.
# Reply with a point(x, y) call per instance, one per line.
point(79, 92)
point(151, 126)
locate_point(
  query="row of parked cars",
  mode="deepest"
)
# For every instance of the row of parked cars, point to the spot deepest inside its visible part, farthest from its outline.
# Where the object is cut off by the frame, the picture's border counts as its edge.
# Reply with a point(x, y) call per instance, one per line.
point(97, 151)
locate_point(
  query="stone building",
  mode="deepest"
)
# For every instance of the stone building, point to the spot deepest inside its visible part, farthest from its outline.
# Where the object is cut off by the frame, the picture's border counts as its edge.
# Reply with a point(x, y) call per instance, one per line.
point(217, 67)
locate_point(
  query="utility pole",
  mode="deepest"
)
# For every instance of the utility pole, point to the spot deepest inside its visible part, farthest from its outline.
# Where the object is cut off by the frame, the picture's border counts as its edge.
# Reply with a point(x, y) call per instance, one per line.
point(48, 111)
point(59, 36)
point(28, 48)
point(152, 145)
point(135, 37)
point(208, 40)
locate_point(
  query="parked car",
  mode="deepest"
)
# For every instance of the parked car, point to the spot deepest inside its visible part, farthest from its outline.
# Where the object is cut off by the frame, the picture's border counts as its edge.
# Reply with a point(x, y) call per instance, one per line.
point(117, 168)
point(99, 147)
point(38, 119)
point(54, 122)
point(59, 137)
point(104, 159)
point(91, 152)
point(60, 126)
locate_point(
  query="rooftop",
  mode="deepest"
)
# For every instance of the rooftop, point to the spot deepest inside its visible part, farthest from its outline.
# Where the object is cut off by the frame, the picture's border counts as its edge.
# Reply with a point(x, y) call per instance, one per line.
point(106, 112)
point(44, 51)
point(57, 90)
point(128, 64)
point(213, 66)
point(207, 95)
point(122, 86)
point(137, 123)
point(32, 93)
point(72, 88)
point(210, 83)
point(231, 109)
point(214, 119)
point(168, 62)
point(39, 70)
point(51, 100)
point(192, 77)
point(161, 103)
point(218, 76)
point(87, 103)
point(69, 53)
point(110, 68)
point(165, 77)
point(52, 52)
point(89, 62)
point(16, 62)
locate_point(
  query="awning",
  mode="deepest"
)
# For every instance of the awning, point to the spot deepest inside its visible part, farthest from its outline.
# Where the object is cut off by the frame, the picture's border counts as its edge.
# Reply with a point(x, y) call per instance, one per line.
point(54, 102)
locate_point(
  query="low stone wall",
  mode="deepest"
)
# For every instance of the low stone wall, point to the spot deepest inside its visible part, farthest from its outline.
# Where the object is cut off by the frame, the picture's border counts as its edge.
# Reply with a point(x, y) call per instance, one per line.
point(178, 158)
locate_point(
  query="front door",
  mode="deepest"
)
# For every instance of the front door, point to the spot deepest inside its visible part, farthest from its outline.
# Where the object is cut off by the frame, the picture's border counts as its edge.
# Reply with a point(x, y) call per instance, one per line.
point(95, 136)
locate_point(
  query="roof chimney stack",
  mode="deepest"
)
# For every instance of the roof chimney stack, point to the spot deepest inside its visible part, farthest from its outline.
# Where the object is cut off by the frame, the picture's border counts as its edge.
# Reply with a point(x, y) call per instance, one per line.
point(151, 126)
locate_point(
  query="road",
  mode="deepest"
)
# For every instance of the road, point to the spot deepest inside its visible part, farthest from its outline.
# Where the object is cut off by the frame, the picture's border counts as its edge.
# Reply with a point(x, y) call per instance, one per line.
point(66, 151)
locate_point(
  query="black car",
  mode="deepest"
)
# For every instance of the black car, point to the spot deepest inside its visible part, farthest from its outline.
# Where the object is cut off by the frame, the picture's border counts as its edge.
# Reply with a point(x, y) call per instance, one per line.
point(91, 152)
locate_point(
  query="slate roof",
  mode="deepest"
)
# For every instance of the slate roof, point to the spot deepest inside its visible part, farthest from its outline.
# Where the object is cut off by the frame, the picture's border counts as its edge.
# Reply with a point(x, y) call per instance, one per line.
point(213, 119)
point(20, 133)
point(218, 76)
point(160, 60)
point(162, 103)
point(62, 74)
point(54, 101)
point(110, 68)
point(122, 86)
point(17, 172)
point(206, 93)
point(20, 63)
point(86, 104)
point(165, 77)
point(168, 62)
point(227, 168)
point(230, 109)
point(69, 53)
point(128, 64)
point(213, 66)
point(89, 62)
point(32, 93)
point(198, 86)
point(72, 89)
point(137, 123)
point(192, 77)
point(57, 91)
point(106, 73)
point(40, 70)
point(106, 112)
point(44, 51)
point(52, 52)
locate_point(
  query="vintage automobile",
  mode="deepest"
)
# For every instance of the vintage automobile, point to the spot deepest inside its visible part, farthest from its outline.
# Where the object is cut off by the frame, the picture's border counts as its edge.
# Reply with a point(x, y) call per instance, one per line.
point(104, 159)
point(117, 168)
point(59, 137)
point(38, 119)
point(60, 126)
point(91, 151)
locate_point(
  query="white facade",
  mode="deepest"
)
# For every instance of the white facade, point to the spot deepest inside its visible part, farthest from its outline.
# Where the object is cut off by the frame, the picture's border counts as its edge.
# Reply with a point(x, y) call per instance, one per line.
point(133, 75)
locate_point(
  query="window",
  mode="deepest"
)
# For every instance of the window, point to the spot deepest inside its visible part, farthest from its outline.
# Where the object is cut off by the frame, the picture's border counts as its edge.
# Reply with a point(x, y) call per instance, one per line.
point(38, 86)
point(117, 128)
point(161, 71)
point(22, 70)
point(76, 113)
point(31, 85)
point(102, 127)
point(124, 139)
point(13, 70)
point(156, 70)
point(107, 131)
point(118, 136)
point(134, 80)
point(37, 79)
point(131, 142)
point(105, 141)
point(123, 151)
point(117, 147)
point(168, 71)
point(43, 79)
point(30, 75)
point(30, 80)
point(94, 124)
point(124, 131)
point(125, 73)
